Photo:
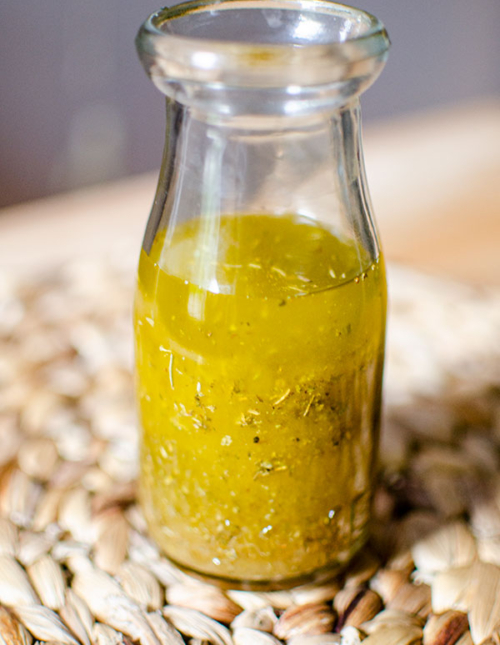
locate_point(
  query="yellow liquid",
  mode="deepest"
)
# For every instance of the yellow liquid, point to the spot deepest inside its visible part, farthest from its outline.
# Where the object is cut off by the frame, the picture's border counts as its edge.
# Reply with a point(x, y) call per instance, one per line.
point(259, 348)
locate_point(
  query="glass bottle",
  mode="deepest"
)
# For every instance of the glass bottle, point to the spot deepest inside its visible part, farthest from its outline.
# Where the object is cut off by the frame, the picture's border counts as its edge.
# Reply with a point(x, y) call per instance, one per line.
point(261, 299)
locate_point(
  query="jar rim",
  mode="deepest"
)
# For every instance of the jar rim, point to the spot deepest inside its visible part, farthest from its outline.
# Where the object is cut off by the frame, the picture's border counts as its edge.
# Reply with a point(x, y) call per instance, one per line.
point(175, 45)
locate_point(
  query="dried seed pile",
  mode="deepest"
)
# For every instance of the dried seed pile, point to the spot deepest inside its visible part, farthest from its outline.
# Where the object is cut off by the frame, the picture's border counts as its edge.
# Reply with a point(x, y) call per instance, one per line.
point(77, 565)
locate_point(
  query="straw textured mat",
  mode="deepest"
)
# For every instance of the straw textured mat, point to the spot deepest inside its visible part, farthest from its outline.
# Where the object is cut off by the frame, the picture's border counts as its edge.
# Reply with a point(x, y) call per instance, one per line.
point(76, 562)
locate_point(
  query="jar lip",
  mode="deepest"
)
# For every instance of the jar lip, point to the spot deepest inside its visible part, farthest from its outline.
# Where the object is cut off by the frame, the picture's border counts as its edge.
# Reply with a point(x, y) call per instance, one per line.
point(167, 15)
point(173, 51)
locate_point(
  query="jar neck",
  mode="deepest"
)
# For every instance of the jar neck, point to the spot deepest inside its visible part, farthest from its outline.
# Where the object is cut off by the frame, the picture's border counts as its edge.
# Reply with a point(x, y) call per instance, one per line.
point(291, 115)
point(309, 165)
point(257, 107)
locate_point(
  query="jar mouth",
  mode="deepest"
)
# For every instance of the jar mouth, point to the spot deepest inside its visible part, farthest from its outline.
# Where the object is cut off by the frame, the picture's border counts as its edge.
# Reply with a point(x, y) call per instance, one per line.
point(295, 48)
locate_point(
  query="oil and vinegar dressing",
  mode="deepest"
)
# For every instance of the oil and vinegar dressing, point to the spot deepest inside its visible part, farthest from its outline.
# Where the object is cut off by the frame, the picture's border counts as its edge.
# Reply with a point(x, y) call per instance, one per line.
point(259, 344)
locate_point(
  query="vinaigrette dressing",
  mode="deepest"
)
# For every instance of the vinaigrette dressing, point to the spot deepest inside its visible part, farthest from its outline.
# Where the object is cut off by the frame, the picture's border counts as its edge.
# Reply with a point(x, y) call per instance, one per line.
point(259, 348)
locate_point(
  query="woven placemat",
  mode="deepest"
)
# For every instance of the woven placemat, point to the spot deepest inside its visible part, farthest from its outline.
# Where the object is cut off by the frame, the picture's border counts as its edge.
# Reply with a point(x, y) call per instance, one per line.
point(77, 564)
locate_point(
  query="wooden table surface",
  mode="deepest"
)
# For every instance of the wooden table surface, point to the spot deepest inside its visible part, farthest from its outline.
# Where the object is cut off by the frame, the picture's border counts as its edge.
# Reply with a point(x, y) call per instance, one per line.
point(434, 180)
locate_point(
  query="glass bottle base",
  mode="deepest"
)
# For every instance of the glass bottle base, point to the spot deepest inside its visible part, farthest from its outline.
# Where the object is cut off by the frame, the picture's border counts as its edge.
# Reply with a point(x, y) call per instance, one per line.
point(321, 576)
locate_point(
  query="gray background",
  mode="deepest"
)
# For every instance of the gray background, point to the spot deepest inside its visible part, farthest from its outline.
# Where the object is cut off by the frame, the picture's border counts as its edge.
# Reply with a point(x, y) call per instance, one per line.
point(77, 109)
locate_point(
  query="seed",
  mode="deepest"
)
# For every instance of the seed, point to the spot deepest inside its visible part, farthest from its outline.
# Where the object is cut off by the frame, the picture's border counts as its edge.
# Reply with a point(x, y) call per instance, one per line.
point(305, 619)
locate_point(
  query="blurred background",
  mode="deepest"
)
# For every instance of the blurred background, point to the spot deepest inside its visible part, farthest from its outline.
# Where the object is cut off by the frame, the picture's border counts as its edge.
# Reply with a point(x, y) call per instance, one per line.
point(76, 109)
point(82, 129)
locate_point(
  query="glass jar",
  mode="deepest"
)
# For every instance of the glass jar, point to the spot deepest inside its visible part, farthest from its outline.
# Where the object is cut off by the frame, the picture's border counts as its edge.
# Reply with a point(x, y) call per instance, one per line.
point(261, 299)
